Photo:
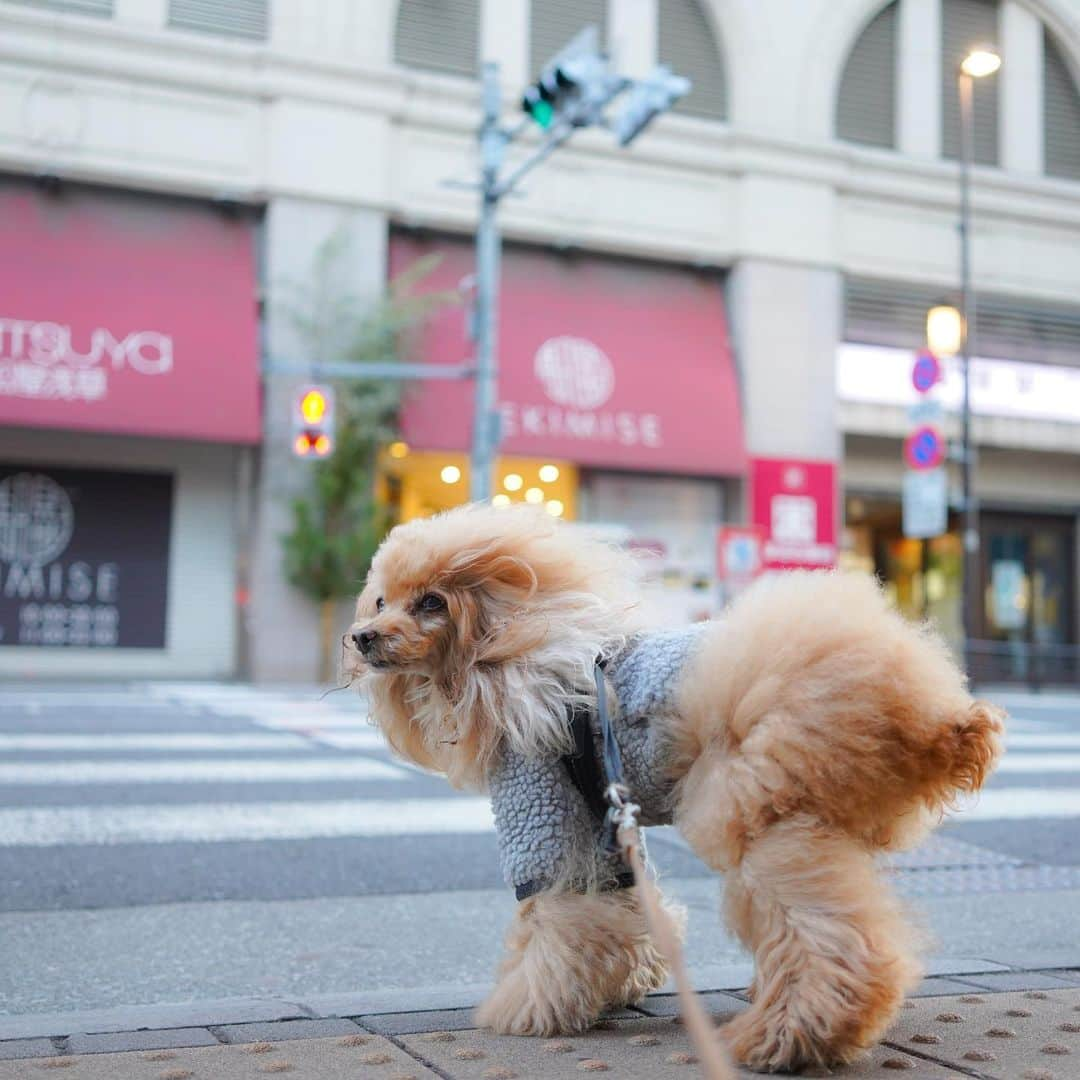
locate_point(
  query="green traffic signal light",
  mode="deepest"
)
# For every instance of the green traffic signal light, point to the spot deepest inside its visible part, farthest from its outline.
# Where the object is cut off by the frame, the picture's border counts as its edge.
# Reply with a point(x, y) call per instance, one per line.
point(542, 112)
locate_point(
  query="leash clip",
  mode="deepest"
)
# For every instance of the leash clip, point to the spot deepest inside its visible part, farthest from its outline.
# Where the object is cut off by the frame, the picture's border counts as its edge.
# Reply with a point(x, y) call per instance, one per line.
point(621, 814)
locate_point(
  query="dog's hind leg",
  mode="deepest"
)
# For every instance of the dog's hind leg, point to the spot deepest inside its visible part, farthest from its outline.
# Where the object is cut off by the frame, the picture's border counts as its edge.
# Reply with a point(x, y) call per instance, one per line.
point(568, 957)
point(833, 954)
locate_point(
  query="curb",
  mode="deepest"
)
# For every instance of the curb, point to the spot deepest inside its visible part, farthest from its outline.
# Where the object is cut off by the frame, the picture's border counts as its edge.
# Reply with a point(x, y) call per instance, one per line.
point(404, 1012)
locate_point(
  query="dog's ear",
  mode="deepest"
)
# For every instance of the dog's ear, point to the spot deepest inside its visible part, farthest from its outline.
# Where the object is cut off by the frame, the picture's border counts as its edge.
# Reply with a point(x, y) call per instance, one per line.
point(490, 565)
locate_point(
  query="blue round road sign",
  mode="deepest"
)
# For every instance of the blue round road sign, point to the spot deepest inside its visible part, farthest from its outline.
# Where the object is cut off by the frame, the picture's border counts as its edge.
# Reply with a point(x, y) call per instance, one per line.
point(924, 448)
point(925, 372)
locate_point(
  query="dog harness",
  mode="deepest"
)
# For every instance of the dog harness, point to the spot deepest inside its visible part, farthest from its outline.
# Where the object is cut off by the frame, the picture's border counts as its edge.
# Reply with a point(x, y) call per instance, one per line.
point(549, 812)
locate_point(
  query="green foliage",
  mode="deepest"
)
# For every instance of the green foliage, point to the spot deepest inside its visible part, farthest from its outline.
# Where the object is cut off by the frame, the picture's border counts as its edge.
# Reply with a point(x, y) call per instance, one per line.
point(338, 523)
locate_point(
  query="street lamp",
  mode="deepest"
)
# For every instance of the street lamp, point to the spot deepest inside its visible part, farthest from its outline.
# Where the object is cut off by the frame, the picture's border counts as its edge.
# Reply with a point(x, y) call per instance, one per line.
point(978, 63)
point(944, 330)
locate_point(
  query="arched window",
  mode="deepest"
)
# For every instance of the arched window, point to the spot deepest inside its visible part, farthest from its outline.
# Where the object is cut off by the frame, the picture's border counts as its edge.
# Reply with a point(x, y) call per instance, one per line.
point(966, 23)
point(866, 103)
point(552, 23)
point(439, 35)
point(686, 43)
point(1061, 113)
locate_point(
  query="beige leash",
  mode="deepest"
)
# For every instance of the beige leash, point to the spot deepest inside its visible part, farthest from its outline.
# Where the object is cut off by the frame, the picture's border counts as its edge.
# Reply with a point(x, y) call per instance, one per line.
point(715, 1063)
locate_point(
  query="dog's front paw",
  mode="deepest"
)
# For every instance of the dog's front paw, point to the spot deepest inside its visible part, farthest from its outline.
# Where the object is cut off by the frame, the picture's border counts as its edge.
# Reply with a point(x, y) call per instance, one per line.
point(650, 973)
point(517, 1008)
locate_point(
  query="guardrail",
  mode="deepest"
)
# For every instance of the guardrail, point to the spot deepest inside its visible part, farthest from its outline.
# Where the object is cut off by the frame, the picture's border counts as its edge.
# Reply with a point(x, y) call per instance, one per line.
point(1027, 664)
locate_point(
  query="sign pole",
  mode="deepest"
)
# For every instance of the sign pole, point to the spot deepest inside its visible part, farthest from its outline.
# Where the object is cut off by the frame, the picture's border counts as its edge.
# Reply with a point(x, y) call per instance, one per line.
point(488, 250)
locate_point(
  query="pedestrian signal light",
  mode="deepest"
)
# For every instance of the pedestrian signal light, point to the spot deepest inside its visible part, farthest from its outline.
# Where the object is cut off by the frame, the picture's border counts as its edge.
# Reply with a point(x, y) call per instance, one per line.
point(313, 421)
point(313, 406)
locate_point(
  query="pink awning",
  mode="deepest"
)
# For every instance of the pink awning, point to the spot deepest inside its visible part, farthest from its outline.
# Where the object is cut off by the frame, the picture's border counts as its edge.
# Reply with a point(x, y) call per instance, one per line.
point(127, 315)
point(603, 362)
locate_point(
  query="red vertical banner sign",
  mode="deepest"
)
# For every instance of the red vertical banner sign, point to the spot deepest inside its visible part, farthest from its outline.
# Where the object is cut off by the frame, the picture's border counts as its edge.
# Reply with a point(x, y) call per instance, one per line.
point(795, 503)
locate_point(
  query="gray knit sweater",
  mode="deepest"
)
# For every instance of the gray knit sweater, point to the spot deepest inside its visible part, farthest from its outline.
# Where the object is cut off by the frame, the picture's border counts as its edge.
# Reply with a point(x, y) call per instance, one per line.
point(547, 835)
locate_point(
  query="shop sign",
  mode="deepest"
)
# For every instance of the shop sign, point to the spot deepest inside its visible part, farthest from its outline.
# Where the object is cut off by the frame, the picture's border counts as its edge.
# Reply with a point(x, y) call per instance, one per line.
point(83, 557)
point(794, 502)
point(879, 375)
point(128, 316)
point(925, 503)
point(602, 362)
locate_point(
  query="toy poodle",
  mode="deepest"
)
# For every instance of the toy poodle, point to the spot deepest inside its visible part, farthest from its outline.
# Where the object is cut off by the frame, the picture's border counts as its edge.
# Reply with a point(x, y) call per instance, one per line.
point(801, 733)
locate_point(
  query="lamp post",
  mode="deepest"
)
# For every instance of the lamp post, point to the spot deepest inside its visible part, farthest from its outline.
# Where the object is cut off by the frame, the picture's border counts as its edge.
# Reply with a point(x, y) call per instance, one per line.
point(978, 63)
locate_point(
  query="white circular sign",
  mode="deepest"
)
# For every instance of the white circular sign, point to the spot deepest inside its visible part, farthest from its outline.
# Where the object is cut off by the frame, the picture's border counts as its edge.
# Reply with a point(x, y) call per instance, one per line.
point(36, 519)
point(574, 372)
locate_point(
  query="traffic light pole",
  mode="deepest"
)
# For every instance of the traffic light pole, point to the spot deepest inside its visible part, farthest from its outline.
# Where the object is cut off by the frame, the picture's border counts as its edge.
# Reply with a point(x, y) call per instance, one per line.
point(488, 250)
point(574, 89)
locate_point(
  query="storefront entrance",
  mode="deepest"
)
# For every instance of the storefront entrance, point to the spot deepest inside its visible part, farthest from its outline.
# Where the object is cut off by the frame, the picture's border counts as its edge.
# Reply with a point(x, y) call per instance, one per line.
point(1025, 607)
point(1025, 622)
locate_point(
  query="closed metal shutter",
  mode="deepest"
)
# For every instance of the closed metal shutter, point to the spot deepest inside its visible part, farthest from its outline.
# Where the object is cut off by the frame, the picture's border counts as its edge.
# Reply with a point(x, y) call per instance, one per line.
point(866, 103)
point(552, 23)
point(229, 18)
point(878, 312)
point(1061, 113)
point(104, 8)
point(964, 25)
point(439, 35)
point(686, 43)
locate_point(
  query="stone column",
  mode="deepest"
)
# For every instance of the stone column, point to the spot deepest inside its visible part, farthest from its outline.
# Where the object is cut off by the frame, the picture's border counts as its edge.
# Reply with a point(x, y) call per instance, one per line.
point(283, 624)
point(918, 58)
point(1021, 75)
point(632, 34)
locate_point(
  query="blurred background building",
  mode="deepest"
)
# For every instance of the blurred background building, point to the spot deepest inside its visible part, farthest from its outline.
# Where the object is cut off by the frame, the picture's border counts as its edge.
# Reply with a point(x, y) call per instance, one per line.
point(750, 281)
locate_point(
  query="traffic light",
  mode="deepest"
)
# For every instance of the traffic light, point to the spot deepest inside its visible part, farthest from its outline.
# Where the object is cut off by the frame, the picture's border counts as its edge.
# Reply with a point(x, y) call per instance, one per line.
point(313, 421)
point(649, 97)
point(573, 84)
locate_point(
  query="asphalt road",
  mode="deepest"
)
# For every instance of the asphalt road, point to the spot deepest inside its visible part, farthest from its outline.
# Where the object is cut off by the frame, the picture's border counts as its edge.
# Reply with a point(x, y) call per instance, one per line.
point(172, 842)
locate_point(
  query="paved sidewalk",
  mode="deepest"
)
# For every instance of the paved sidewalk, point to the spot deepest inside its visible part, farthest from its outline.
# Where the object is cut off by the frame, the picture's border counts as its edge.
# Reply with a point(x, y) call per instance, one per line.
point(992, 1023)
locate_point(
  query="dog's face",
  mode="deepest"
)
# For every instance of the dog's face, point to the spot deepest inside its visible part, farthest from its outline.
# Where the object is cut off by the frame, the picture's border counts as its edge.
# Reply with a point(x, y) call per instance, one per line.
point(471, 627)
point(441, 595)
point(418, 625)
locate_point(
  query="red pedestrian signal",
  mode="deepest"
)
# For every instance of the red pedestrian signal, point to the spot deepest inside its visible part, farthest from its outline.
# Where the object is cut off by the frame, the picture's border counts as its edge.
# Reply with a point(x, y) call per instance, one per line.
point(313, 421)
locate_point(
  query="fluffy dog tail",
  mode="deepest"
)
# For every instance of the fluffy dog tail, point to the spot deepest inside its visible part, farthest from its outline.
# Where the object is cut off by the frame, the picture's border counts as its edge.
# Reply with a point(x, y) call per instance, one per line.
point(968, 748)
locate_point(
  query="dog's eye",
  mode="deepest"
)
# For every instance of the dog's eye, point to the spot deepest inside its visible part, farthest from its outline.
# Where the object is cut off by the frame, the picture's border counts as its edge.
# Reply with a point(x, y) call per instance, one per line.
point(380, 603)
point(431, 602)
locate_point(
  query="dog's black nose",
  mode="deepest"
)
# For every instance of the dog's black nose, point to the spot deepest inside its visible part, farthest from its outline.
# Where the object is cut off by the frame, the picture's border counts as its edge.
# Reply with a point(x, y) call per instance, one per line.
point(363, 639)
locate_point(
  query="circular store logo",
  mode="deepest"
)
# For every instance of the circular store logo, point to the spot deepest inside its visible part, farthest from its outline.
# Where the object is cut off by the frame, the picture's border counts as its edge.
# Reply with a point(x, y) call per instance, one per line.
point(36, 519)
point(575, 372)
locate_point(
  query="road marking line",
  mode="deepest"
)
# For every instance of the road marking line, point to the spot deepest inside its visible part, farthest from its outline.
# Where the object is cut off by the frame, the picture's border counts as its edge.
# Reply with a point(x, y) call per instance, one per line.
point(51, 826)
point(1039, 763)
point(1014, 804)
point(181, 771)
point(68, 742)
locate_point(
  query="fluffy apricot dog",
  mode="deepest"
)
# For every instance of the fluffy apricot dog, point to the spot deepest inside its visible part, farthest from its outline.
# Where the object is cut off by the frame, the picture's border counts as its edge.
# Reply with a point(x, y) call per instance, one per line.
point(791, 740)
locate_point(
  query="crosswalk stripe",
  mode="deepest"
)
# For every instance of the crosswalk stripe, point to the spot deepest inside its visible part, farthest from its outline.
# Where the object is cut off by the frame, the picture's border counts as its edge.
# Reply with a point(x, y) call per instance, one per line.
point(351, 740)
point(176, 771)
point(1039, 763)
point(1063, 740)
point(1012, 804)
point(305, 721)
point(51, 826)
point(66, 742)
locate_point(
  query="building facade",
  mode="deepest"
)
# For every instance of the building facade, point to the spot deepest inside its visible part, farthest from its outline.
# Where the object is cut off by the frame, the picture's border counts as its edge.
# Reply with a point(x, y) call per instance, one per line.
point(801, 203)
